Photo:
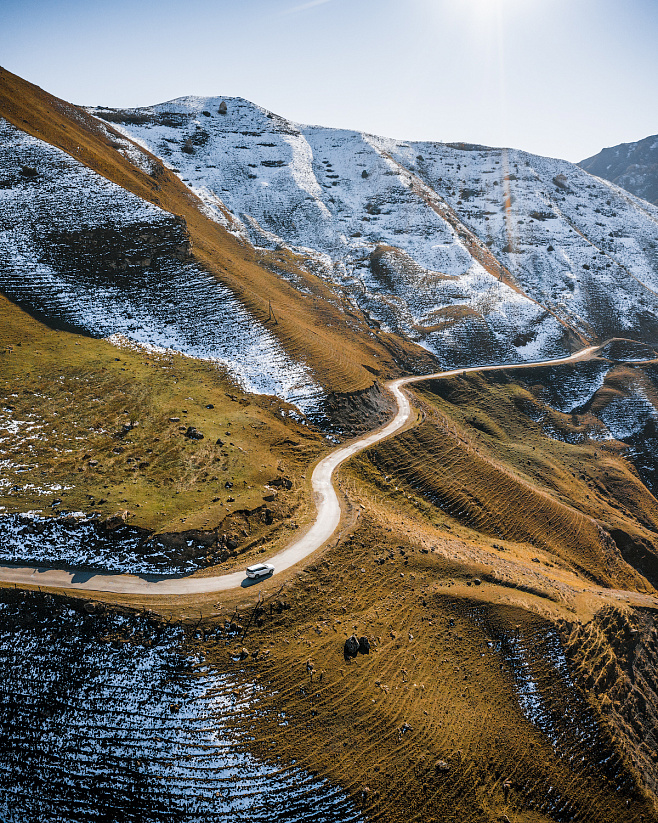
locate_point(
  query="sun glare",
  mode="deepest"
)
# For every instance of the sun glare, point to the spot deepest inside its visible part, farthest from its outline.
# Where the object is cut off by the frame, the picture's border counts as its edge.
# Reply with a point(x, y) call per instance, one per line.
point(478, 11)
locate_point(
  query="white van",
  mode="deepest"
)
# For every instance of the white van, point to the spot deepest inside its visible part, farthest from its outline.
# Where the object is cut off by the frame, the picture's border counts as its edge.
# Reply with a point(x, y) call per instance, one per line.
point(260, 570)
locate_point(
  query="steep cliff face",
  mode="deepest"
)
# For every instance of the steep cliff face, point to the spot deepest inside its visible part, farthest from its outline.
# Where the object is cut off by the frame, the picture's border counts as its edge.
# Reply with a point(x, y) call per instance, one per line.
point(633, 166)
point(470, 251)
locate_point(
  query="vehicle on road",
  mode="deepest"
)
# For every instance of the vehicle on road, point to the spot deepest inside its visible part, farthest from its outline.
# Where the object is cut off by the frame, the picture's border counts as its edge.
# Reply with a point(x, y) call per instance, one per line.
point(260, 570)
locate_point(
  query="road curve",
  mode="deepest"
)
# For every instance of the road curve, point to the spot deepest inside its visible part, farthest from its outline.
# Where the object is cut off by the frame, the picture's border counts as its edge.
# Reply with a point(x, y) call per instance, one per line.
point(326, 521)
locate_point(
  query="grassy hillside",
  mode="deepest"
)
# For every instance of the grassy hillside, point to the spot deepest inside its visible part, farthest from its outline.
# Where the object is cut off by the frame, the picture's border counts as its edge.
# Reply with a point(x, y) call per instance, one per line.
point(509, 637)
point(481, 568)
point(485, 463)
point(103, 429)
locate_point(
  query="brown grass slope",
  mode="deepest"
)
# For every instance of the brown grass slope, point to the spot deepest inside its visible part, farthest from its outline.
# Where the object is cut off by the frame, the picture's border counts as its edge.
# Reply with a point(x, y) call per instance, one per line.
point(488, 466)
point(322, 329)
point(615, 657)
point(437, 723)
point(496, 688)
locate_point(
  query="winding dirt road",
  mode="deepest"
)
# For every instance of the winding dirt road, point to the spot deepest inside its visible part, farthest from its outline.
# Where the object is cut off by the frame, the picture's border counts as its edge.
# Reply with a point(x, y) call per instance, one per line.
point(326, 521)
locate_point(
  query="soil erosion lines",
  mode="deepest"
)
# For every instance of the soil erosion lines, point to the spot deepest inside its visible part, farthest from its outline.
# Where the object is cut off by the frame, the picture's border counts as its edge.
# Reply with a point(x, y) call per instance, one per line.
point(326, 521)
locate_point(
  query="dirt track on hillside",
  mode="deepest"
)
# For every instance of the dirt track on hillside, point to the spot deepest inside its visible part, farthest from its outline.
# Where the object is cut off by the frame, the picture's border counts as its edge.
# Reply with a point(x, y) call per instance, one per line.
point(326, 522)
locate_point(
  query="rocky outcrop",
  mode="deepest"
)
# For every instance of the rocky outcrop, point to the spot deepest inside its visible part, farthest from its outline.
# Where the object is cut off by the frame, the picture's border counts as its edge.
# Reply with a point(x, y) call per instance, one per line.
point(105, 251)
point(351, 647)
point(355, 645)
point(398, 272)
point(352, 414)
point(615, 659)
point(114, 521)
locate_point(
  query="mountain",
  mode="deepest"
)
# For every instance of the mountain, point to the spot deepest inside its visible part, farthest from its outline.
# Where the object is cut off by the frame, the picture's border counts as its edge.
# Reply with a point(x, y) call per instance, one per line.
point(197, 301)
point(472, 252)
point(60, 161)
point(633, 166)
point(97, 258)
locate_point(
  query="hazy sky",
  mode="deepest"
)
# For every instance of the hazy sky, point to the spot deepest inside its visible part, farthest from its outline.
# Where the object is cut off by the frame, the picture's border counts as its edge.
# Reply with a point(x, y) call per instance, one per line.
point(557, 77)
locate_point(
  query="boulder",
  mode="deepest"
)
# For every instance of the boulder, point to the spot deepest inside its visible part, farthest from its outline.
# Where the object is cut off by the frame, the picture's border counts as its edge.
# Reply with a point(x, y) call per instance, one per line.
point(114, 521)
point(364, 645)
point(351, 648)
point(280, 482)
point(223, 108)
point(193, 434)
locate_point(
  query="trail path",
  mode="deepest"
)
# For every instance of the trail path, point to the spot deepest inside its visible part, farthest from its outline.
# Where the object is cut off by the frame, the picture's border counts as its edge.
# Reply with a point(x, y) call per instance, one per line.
point(326, 521)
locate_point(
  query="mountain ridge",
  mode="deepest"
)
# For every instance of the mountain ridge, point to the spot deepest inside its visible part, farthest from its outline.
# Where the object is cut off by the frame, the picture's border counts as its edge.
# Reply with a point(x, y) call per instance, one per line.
point(315, 190)
point(307, 327)
point(633, 166)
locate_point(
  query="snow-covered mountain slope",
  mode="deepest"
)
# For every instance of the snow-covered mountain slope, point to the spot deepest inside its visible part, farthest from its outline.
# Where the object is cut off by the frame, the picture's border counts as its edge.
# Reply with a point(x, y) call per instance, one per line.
point(472, 252)
point(156, 721)
point(83, 253)
point(633, 166)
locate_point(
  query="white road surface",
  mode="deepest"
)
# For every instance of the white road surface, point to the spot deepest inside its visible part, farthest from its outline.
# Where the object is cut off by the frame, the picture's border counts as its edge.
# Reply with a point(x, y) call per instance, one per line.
point(326, 521)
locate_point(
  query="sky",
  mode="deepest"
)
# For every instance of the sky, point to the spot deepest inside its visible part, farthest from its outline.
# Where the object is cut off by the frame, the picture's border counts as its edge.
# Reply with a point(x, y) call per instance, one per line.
point(562, 78)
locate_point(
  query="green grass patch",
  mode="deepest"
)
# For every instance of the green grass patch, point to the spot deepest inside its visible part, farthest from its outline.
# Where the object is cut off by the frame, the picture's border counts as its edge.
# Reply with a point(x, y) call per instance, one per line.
point(102, 428)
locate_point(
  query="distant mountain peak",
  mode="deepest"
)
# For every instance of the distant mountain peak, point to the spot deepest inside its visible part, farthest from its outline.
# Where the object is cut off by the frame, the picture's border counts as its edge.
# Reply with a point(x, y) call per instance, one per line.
point(633, 166)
